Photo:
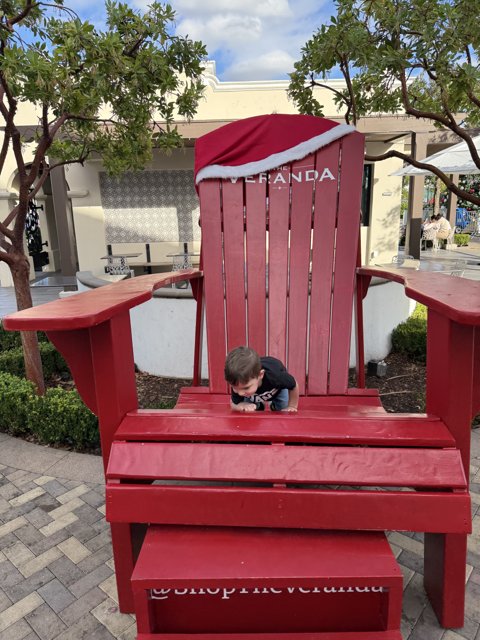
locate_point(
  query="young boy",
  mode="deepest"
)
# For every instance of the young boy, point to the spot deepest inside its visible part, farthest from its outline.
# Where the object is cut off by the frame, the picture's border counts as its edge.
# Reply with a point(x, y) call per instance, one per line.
point(259, 380)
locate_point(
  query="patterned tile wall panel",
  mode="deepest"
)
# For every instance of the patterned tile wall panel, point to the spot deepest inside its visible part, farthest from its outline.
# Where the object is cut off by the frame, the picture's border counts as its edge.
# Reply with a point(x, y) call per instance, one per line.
point(150, 206)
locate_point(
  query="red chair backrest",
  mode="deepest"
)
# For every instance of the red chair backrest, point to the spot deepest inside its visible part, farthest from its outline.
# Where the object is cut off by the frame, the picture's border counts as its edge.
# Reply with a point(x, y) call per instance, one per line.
point(279, 255)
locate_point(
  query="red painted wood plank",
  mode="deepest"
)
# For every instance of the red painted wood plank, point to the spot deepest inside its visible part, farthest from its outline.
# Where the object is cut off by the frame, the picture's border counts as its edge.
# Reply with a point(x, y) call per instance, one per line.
point(256, 263)
point(345, 258)
point(189, 394)
point(328, 410)
point(325, 217)
point(476, 374)
point(458, 301)
point(278, 226)
point(300, 243)
point(450, 394)
point(188, 402)
point(234, 254)
point(445, 557)
point(113, 376)
point(435, 512)
point(218, 556)
point(211, 220)
point(304, 405)
point(93, 307)
point(195, 424)
point(326, 635)
point(367, 397)
point(262, 463)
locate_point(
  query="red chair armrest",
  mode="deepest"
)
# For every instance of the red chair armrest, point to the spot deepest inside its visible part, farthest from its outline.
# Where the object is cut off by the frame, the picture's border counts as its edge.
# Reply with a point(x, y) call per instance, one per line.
point(457, 299)
point(91, 308)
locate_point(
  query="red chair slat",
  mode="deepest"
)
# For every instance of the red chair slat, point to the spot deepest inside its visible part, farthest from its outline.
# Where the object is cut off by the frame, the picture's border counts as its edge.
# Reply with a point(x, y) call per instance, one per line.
point(214, 293)
point(219, 424)
point(278, 230)
point(325, 218)
point(302, 181)
point(256, 217)
point(263, 463)
point(346, 246)
point(234, 254)
point(350, 510)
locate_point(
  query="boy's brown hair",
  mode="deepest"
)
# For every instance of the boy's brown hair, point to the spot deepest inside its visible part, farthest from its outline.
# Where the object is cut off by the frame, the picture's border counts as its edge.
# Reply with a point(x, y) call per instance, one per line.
point(242, 364)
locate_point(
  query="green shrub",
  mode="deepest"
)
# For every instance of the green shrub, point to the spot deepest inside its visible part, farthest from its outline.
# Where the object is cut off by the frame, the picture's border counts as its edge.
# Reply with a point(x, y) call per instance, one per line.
point(17, 398)
point(410, 337)
point(461, 239)
point(420, 311)
point(60, 417)
point(11, 361)
point(12, 340)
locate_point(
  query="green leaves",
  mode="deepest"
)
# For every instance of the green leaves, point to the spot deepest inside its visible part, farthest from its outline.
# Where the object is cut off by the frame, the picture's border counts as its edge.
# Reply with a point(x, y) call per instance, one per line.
point(103, 89)
point(419, 56)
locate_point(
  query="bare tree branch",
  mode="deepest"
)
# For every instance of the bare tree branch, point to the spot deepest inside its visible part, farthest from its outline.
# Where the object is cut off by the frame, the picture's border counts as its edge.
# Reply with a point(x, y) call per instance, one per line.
point(411, 111)
point(6, 257)
point(59, 7)
point(6, 92)
point(451, 186)
point(473, 98)
point(134, 48)
point(4, 230)
point(81, 160)
point(447, 121)
point(29, 5)
point(40, 182)
point(43, 145)
point(45, 119)
point(4, 244)
point(352, 105)
point(17, 150)
point(4, 150)
point(468, 54)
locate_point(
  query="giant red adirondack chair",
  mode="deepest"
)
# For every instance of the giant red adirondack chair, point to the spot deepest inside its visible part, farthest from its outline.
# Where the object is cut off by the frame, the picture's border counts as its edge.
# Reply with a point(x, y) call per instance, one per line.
point(280, 214)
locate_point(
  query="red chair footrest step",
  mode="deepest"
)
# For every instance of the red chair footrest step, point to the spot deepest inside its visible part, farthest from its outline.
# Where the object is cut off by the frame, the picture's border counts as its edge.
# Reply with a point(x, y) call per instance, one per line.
point(263, 583)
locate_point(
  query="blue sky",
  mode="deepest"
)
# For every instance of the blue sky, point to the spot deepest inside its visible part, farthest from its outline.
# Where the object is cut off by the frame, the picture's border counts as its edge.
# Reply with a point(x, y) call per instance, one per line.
point(248, 39)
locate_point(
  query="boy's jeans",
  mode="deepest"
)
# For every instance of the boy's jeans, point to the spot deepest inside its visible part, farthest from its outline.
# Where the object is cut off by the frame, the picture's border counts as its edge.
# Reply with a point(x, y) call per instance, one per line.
point(279, 402)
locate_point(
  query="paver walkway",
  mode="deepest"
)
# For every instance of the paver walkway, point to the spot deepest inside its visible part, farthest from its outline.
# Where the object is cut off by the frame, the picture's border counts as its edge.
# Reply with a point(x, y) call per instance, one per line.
point(56, 569)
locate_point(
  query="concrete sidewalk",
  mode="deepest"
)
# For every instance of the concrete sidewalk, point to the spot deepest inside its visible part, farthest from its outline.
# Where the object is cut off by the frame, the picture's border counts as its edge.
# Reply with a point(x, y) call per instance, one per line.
point(56, 569)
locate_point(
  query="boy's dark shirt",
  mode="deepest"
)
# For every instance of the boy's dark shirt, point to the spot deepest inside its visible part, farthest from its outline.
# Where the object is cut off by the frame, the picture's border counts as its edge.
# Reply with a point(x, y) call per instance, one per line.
point(275, 378)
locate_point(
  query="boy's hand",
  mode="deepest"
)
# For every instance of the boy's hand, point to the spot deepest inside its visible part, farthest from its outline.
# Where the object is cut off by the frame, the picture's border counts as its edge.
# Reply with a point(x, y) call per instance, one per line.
point(290, 409)
point(243, 406)
point(248, 406)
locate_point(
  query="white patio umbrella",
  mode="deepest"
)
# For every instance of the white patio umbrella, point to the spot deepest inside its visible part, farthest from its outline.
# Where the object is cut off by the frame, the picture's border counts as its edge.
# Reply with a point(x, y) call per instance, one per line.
point(456, 159)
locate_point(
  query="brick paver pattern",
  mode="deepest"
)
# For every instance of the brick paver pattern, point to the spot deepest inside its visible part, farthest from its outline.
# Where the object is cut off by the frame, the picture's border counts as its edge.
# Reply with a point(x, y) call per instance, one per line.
point(57, 577)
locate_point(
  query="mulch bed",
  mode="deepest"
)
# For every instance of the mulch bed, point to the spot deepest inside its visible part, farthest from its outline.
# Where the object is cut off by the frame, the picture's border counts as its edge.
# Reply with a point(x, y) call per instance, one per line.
point(402, 389)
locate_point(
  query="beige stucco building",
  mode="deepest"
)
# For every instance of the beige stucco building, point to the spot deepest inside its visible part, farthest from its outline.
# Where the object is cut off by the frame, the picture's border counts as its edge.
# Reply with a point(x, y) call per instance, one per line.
point(154, 212)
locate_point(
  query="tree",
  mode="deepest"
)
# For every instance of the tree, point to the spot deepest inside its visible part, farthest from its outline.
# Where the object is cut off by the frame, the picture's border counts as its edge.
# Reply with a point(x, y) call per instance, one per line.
point(102, 92)
point(414, 56)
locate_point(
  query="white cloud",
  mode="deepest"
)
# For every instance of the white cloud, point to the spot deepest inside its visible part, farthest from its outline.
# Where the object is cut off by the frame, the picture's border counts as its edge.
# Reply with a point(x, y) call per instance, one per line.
point(263, 8)
point(230, 30)
point(269, 65)
point(249, 39)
